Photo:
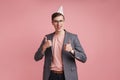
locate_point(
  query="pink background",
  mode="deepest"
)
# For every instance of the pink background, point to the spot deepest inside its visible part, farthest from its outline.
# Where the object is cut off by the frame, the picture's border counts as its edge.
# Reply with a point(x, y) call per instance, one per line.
point(23, 24)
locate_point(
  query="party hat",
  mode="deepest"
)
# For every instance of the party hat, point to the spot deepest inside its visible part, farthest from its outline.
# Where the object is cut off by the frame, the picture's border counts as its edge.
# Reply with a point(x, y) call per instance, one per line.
point(60, 10)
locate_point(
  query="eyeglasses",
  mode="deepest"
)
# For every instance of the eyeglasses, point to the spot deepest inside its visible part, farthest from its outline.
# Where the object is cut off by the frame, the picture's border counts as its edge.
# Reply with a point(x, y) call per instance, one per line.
point(57, 21)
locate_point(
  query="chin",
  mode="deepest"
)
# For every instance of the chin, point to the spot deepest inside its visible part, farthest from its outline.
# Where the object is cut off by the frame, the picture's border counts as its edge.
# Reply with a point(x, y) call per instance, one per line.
point(58, 30)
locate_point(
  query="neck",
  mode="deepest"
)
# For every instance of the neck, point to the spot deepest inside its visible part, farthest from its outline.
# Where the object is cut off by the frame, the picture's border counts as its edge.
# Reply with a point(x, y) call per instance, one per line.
point(60, 32)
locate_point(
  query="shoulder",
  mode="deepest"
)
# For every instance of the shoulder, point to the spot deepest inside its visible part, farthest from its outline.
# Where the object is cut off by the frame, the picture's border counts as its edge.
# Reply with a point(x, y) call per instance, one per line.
point(71, 34)
point(50, 34)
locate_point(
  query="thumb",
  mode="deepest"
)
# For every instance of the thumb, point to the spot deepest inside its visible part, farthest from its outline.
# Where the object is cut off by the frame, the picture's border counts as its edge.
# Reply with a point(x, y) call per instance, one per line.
point(45, 39)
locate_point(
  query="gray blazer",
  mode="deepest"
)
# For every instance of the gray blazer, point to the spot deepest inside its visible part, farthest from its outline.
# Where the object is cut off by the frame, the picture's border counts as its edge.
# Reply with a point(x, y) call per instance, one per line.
point(69, 65)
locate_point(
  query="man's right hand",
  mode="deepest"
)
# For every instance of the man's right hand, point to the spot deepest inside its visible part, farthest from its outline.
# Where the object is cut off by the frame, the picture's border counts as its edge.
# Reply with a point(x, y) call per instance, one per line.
point(47, 44)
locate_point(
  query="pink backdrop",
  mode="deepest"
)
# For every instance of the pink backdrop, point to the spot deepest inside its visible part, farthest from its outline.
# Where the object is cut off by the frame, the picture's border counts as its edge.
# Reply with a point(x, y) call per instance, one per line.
point(23, 24)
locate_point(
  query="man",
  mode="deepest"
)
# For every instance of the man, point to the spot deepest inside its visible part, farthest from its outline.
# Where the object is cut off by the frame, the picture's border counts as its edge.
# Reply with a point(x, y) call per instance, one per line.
point(60, 50)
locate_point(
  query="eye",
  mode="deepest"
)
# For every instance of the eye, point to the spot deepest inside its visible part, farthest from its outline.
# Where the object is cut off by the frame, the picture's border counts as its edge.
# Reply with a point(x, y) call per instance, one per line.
point(61, 21)
point(57, 21)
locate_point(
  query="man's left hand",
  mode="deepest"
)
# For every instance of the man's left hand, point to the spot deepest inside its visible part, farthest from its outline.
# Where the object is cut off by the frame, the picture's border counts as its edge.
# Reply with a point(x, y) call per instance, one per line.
point(68, 47)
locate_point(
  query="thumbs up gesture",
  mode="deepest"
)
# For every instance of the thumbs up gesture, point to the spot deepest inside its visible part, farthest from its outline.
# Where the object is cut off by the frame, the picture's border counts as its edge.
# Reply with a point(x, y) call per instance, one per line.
point(47, 44)
point(68, 46)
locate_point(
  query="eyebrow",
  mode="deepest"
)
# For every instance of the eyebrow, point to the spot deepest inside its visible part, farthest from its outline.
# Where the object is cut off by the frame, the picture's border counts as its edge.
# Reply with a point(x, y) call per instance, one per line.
point(58, 20)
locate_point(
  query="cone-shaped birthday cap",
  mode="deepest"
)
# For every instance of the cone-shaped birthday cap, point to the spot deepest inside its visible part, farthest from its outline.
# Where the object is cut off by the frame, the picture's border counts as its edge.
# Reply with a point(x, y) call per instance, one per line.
point(60, 10)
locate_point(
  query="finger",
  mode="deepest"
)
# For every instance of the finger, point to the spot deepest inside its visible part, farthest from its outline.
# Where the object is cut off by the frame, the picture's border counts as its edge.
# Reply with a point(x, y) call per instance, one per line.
point(50, 42)
point(69, 41)
point(65, 44)
point(45, 39)
point(65, 47)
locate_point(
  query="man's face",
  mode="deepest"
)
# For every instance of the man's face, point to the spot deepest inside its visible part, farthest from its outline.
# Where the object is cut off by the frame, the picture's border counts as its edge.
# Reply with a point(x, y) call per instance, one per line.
point(58, 23)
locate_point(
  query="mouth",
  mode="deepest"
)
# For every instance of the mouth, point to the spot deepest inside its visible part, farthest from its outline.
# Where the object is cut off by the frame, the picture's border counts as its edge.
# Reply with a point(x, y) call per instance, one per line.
point(58, 28)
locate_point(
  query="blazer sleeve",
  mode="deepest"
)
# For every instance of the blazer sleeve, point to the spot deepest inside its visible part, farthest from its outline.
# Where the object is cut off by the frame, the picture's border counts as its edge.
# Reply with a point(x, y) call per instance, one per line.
point(39, 55)
point(79, 53)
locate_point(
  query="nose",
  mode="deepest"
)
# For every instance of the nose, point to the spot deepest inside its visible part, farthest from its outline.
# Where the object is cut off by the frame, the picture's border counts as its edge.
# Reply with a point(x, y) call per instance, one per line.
point(58, 23)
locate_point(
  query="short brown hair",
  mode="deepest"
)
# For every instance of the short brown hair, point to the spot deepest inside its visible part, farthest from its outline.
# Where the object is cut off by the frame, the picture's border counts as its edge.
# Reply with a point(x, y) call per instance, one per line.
point(56, 14)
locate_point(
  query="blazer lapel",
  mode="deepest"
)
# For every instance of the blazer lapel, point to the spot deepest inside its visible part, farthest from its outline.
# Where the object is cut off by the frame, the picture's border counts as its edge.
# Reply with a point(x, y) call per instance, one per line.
point(51, 38)
point(65, 39)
